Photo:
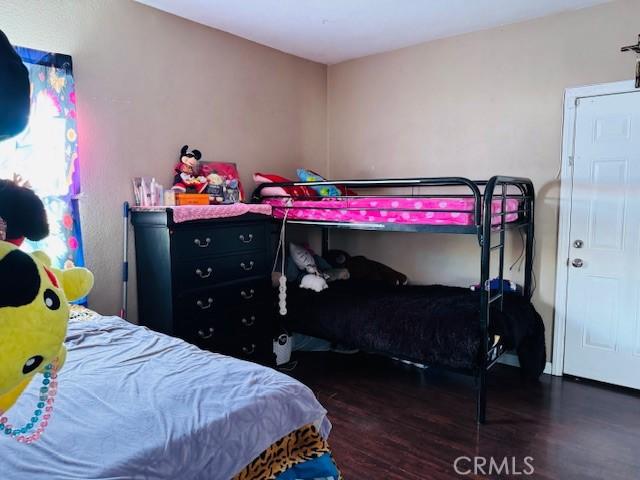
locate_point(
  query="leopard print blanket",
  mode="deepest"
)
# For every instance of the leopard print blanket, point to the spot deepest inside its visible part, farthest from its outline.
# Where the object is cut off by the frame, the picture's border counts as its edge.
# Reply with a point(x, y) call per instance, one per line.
point(304, 444)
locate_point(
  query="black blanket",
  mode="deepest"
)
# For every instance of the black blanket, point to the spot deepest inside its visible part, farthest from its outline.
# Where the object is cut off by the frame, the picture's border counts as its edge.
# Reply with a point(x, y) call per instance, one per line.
point(435, 325)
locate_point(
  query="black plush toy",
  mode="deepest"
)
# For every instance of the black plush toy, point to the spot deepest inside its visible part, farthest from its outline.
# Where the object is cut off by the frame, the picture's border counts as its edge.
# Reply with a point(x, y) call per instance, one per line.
point(361, 268)
point(22, 212)
point(14, 91)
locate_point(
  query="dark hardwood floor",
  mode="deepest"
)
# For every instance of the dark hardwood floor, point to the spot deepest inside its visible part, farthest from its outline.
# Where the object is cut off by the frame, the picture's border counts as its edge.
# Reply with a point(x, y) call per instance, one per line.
point(392, 421)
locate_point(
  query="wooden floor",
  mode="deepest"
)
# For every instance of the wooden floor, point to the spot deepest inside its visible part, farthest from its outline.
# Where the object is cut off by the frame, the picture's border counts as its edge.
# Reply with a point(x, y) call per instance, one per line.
point(391, 421)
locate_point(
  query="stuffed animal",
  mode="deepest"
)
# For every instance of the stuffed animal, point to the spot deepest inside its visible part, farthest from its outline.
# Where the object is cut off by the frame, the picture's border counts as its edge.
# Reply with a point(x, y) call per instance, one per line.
point(34, 313)
point(215, 187)
point(34, 308)
point(22, 212)
point(232, 192)
point(14, 91)
point(313, 280)
point(328, 272)
point(361, 268)
point(186, 172)
point(335, 274)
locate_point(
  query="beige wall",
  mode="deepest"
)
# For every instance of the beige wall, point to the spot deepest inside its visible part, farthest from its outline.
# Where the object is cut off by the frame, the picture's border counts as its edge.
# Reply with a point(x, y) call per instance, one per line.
point(476, 105)
point(148, 82)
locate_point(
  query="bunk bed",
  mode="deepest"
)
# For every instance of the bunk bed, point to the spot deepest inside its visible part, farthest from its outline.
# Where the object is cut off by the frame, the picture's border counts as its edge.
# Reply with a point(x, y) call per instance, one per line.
point(485, 209)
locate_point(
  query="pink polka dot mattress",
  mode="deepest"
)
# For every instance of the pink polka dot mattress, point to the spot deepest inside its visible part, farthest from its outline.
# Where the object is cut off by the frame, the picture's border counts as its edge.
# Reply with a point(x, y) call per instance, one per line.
point(410, 210)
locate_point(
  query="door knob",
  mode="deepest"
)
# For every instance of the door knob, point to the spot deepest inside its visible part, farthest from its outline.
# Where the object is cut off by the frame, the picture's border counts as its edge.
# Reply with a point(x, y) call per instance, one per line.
point(578, 244)
point(577, 262)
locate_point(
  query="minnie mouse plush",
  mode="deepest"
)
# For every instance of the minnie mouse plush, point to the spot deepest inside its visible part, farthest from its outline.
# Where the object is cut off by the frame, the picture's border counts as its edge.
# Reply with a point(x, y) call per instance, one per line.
point(187, 178)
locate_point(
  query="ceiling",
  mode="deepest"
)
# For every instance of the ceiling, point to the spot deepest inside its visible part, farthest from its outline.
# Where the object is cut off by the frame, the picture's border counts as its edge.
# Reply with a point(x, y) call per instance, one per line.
point(331, 31)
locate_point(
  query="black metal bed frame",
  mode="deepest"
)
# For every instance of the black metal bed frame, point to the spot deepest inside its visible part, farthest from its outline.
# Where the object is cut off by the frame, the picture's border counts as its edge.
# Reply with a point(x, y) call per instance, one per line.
point(482, 227)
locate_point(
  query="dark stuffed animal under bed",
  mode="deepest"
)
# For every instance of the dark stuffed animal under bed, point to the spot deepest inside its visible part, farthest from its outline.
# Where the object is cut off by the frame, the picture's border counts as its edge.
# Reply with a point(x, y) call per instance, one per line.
point(433, 324)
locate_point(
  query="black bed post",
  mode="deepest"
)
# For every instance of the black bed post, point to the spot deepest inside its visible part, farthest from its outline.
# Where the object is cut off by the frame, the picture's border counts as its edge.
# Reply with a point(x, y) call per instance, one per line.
point(530, 245)
point(481, 397)
point(325, 241)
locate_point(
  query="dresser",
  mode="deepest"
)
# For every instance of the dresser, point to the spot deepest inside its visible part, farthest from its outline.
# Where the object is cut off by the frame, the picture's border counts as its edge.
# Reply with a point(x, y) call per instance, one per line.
point(207, 281)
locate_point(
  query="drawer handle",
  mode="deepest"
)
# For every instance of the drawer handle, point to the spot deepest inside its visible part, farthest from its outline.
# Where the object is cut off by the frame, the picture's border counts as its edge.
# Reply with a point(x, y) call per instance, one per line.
point(201, 244)
point(202, 306)
point(201, 274)
point(248, 322)
point(248, 239)
point(248, 296)
point(249, 350)
point(247, 268)
point(206, 335)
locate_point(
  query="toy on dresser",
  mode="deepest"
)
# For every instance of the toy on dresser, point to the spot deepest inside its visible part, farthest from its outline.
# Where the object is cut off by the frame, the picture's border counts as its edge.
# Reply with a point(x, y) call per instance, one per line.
point(224, 182)
point(186, 177)
point(215, 187)
point(202, 183)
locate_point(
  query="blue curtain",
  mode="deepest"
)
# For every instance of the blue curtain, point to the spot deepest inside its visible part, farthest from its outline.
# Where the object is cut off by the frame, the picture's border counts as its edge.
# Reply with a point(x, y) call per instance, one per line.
point(46, 153)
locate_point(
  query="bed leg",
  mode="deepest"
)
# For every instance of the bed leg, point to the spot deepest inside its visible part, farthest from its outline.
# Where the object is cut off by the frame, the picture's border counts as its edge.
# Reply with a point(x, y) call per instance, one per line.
point(481, 398)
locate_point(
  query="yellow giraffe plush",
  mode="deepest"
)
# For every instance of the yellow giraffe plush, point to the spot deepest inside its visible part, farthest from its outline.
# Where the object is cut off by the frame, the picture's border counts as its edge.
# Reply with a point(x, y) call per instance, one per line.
point(34, 313)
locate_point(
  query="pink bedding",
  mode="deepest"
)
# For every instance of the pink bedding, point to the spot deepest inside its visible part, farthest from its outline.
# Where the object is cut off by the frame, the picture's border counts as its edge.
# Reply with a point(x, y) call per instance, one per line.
point(187, 213)
point(389, 210)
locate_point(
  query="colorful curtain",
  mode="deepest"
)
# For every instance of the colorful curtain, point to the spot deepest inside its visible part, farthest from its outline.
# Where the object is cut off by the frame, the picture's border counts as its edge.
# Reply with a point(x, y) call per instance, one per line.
point(46, 153)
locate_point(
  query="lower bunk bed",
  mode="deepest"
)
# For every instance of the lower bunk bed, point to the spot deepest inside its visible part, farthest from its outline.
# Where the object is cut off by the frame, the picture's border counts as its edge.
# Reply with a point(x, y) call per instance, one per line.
point(433, 325)
point(133, 403)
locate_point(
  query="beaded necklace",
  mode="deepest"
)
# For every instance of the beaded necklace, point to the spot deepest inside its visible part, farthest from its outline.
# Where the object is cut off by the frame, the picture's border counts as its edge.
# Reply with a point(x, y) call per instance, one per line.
point(32, 430)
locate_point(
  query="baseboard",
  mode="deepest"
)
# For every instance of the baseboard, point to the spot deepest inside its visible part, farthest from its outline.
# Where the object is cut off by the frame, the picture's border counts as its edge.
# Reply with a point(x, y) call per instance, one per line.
point(512, 359)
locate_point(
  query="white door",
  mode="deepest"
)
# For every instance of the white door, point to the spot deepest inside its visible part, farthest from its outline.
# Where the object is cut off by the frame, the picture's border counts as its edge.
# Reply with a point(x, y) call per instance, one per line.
point(603, 296)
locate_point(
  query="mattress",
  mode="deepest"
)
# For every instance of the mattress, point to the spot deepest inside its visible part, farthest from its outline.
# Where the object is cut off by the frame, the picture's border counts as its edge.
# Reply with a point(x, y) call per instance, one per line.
point(133, 403)
point(407, 210)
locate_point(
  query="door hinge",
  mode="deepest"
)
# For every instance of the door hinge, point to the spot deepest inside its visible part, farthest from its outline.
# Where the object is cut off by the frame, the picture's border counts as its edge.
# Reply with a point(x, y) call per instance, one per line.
point(577, 102)
point(571, 160)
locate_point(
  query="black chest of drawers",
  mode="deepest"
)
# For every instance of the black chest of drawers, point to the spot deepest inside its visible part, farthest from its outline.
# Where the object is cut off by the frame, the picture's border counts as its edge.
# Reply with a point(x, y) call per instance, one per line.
point(207, 281)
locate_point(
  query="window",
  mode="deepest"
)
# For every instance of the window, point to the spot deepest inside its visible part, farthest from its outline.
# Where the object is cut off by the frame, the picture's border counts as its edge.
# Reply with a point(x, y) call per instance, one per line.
point(46, 154)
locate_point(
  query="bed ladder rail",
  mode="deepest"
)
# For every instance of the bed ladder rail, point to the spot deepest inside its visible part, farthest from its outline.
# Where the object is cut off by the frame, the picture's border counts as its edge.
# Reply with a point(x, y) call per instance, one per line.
point(488, 354)
point(487, 298)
